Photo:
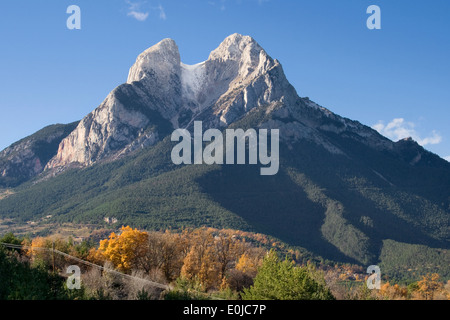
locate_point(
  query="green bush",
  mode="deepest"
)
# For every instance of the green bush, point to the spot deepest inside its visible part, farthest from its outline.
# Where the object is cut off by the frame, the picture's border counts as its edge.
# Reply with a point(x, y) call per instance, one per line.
point(20, 281)
point(282, 280)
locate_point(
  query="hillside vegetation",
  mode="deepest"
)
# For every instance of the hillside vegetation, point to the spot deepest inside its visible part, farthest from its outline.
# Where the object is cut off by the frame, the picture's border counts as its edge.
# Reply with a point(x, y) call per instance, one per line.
point(336, 210)
point(195, 264)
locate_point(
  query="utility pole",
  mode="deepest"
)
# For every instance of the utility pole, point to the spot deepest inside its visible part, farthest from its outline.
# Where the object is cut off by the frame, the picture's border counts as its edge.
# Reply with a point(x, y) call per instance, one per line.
point(53, 255)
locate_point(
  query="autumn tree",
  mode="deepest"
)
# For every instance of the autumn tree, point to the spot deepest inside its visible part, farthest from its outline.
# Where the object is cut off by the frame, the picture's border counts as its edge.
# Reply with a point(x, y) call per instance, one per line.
point(173, 253)
point(166, 252)
point(211, 256)
point(248, 264)
point(393, 292)
point(126, 250)
point(200, 263)
point(139, 250)
point(429, 286)
point(227, 250)
point(41, 251)
point(245, 269)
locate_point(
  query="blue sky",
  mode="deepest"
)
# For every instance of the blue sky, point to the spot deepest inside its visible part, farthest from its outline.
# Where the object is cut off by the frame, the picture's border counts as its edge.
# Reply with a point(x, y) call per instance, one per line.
point(396, 79)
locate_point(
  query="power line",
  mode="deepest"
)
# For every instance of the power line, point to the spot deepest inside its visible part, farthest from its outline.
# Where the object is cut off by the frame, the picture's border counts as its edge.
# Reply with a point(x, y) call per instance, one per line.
point(155, 284)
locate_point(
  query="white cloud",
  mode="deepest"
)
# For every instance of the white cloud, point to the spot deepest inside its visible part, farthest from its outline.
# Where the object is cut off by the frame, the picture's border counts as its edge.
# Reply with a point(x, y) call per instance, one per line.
point(162, 13)
point(434, 139)
point(140, 16)
point(140, 11)
point(135, 11)
point(399, 129)
point(447, 158)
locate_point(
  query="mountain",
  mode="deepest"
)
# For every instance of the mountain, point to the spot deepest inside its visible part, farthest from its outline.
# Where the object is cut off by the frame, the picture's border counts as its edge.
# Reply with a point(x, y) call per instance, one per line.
point(28, 157)
point(162, 93)
point(343, 191)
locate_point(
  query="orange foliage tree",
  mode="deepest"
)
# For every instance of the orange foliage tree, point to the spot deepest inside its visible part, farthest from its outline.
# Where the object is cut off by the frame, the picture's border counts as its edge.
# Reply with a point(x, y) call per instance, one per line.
point(199, 263)
point(207, 256)
point(126, 250)
point(40, 250)
point(248, 264)
point(212, 254)
point(429, 286)
point(393, 292)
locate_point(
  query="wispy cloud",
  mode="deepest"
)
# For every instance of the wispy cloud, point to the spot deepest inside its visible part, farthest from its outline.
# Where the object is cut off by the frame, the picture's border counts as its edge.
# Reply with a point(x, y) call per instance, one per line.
point(399, 129)
point(141, 11)
point(162, 13)
point(222, 4)
point(140, 16)
point(135, 11)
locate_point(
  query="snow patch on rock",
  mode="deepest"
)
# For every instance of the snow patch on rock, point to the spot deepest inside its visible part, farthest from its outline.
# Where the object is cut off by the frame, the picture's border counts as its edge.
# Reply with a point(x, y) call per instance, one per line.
point(192, 79)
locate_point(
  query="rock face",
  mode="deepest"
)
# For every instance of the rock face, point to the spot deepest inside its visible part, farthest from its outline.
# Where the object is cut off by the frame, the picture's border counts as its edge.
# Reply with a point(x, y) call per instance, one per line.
point(28, 157)
point(162, 93)
point(132, 115)
point(104, 132)
point(240, 76)
point(237, 77)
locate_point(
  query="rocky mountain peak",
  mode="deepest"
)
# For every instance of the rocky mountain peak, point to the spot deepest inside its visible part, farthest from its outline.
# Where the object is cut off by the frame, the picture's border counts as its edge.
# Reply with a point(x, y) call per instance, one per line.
point(244, 54)
point(408, 139)
point(162, 93)
point(158, 61)
point(234, 47)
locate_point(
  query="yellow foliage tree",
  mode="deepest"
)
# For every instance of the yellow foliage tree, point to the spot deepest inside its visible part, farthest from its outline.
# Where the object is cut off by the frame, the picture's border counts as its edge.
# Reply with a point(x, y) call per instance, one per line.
point(199, 264)
point(96, 256)
point(40, 251)
point(393, 292)
point(429, 286)
point(125, 250)
point(211, 256)
point(247, 264)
